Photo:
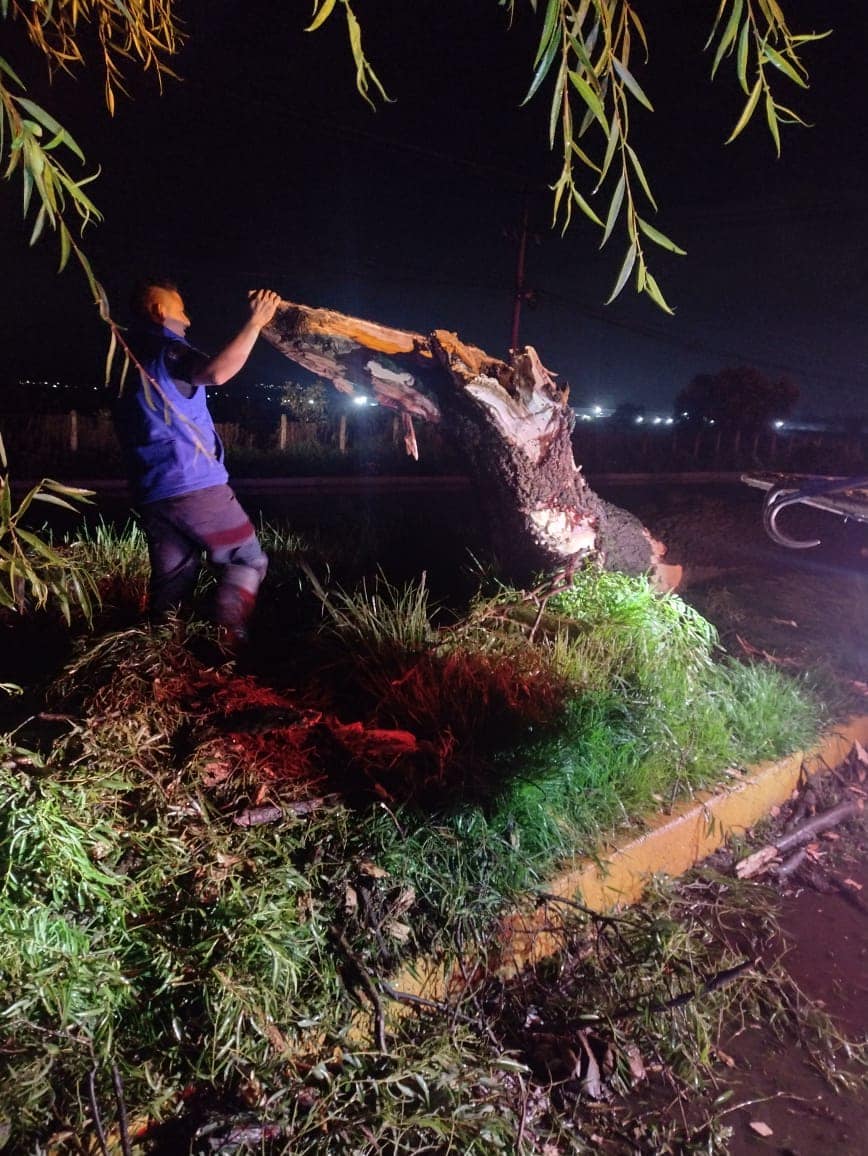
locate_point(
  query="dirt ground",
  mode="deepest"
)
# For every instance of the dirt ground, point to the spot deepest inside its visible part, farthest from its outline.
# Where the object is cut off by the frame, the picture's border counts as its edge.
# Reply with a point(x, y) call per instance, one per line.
point(801, 608)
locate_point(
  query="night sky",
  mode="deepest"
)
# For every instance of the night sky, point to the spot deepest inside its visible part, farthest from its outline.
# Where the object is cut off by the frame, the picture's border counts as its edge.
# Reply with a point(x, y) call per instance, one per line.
point(263, 167)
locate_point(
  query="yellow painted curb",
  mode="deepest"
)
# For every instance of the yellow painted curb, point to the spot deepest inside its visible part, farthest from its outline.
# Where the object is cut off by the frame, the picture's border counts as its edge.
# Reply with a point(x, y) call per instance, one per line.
point(673, 842)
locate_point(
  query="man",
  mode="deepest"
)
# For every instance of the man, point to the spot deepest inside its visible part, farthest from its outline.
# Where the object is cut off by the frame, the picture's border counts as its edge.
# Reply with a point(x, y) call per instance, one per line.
point(174, 459)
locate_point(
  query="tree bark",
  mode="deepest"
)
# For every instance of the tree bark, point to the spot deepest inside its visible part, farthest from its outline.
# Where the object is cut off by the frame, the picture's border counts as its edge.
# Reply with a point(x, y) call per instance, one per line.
point(511, 423)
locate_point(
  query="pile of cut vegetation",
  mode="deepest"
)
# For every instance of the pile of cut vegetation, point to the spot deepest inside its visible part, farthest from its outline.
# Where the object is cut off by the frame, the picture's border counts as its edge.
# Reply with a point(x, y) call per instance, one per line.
point(207, 873)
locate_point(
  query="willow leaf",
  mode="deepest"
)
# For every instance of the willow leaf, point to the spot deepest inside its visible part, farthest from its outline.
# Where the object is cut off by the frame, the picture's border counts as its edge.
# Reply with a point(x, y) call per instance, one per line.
point(789, 116)
point(26, 501)
point(747, 111)
point(583, 157)
point(772, 121)
point(591, 99)
point(53, 500)
point(729, 34)
point(70, 491)
point(637, 24)
point(630, 83)
point(542, 69)
point(660, 238)
point(560, 109)
point(39, 546)
point(27, 180)
point(548, 32)
point(64, 246)
point(591, 43)
point(321, 15)
point(614, 208)
point(624, 275)
point(585, 207)
point(46, 119)
point(110, 356)
point(579, 48)
point(720, 11)
point(653, 291)
point(741, 59)
point(38, 226)
point(611, 145)
point(640, 173)
point(772, 13)
point(809, 37)
point(780, 62)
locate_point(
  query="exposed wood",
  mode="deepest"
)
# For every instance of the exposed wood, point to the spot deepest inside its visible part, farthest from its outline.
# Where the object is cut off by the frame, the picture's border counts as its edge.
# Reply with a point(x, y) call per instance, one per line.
point(510, 421)
point(824, 822)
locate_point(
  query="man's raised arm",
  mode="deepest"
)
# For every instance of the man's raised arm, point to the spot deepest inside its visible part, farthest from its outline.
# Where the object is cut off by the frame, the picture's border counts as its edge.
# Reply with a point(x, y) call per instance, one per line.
point(224, 365)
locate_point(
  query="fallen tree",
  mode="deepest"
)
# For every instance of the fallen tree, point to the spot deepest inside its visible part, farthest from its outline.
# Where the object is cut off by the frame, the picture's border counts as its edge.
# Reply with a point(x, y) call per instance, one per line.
point(510, 422)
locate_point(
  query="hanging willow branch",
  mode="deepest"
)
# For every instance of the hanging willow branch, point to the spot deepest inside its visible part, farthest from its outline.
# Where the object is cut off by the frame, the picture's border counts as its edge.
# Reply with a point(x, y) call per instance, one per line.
point(589, 50)
point(592, 49)
point(34, 143)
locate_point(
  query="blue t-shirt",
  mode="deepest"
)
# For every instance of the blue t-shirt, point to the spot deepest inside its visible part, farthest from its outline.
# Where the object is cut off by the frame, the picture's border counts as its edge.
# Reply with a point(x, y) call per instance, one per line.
point(166, 432)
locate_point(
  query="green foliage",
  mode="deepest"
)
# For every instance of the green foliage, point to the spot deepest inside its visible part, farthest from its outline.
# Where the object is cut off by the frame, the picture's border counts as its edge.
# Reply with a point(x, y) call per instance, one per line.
point(141, 927)
point(365, 75)
point(383, 624)
point(755, 33)
point(23, 126)
point(33, 574)
point(589, 46)
point(115, 557)
point(616, 703)
point(33, 142)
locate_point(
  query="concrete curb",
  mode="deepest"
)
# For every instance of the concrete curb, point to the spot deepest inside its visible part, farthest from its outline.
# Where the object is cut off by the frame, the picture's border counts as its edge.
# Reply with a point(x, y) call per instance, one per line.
point(673, 842)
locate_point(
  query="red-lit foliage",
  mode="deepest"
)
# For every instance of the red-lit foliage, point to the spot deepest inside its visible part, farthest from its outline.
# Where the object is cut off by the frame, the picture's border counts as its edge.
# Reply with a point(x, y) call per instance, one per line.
point(437, 722)
point(466, 703)
point(432, 727)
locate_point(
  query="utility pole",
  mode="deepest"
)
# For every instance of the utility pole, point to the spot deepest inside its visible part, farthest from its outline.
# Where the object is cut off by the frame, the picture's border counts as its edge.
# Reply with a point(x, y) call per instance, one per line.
point(520, 294)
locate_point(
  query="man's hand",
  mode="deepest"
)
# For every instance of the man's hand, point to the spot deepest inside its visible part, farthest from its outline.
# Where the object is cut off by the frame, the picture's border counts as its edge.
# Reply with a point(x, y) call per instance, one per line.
point(263, 306)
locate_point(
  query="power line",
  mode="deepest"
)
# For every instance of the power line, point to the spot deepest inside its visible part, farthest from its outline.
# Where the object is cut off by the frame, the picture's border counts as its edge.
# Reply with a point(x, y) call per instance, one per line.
point(693, 345)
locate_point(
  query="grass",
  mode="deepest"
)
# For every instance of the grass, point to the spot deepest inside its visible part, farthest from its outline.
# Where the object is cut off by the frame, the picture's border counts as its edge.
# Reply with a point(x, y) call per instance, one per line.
point(145, 928)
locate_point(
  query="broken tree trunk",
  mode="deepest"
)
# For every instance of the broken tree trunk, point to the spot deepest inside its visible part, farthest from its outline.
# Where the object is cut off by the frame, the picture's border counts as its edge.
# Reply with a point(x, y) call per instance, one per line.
point(509, 421)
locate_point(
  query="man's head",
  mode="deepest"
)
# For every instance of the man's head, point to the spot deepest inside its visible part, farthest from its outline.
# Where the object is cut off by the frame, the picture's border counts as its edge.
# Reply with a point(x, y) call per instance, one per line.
point(161, 303)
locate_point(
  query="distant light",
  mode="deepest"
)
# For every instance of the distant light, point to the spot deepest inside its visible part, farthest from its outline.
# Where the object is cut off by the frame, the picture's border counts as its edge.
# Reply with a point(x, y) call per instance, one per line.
point(310, 401)
point(684, 413)
point(639, 419)
point(779, 425)
point(711, 421)
point(586, 417)
point(657, 420)
point(670, 420)
point(360, 399)
point(598, 409)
